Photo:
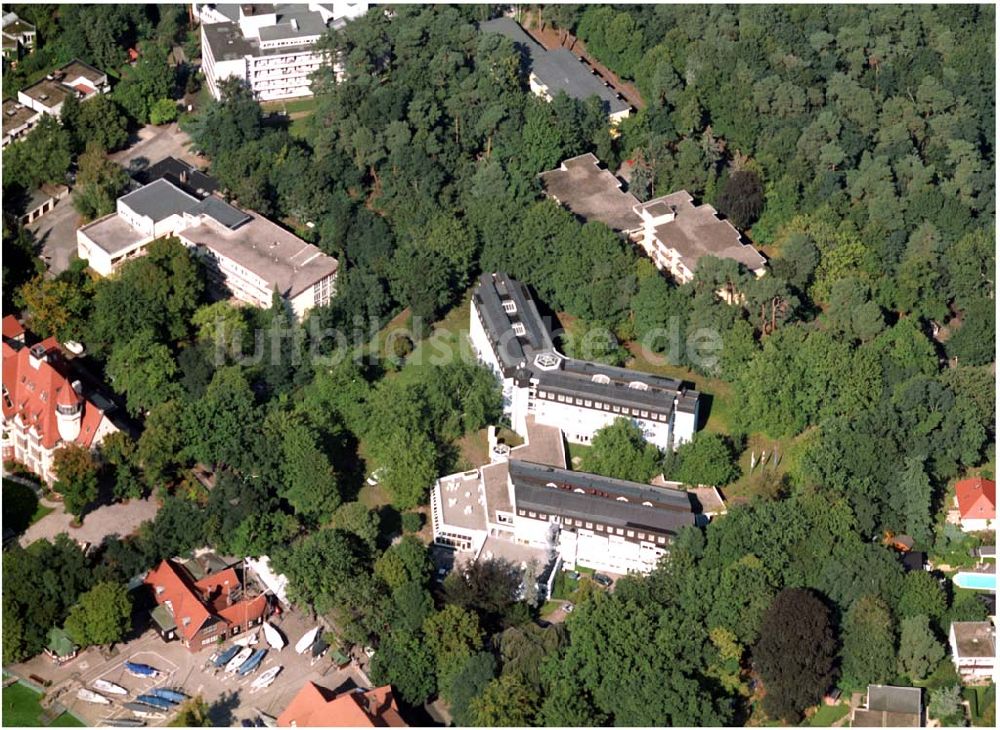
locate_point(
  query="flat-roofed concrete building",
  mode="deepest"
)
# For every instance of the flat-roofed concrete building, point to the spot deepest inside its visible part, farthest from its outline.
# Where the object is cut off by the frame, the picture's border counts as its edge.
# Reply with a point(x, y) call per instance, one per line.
point(247, 256)
point(552, 71)
point(973, 649)
point(18, 120)
point(270, 46)
point(673, 231)
point(75, 78)
point(578, 397)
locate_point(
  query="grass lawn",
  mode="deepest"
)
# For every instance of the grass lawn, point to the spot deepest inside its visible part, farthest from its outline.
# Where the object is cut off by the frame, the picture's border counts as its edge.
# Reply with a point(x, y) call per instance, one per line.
point(576, 451)
point(21, 709)
point(980, 699)
point(291, 107)
point(827, 715)
point(549, 608)
point(719, 393)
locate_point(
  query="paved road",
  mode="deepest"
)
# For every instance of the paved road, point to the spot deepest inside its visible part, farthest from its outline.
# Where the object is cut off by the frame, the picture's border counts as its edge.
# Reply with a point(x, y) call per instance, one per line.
point(56, 232)
point(115, 519)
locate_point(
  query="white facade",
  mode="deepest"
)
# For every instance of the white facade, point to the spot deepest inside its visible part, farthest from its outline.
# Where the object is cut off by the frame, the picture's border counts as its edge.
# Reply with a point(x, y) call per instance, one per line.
point(577, 416)
point(973, 649)
point(976, 525)
point(273, 52)
point(247, 260)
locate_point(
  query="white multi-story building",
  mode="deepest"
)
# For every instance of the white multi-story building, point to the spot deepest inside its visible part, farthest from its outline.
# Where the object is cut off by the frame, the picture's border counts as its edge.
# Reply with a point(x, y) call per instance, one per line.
point(527, 499)
point(673, 231)
point(577, 397)
point(272, 47)
point(247, 256)
point(44, 409)
point(973, 649)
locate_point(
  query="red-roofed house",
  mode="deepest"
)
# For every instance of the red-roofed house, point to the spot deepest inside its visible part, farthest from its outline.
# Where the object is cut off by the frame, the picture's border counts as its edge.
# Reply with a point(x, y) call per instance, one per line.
point(43, 409)
point(316, 706)
point(198, 612)
point(977, 503)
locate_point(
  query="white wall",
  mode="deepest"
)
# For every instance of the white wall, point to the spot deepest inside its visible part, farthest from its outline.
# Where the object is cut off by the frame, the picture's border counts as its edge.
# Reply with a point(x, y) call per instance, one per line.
point(580, 423)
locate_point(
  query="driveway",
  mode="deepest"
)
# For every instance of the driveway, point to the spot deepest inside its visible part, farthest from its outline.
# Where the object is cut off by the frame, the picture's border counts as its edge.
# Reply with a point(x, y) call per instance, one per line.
point(115, 519)
point(155, 143)
point(56, 233)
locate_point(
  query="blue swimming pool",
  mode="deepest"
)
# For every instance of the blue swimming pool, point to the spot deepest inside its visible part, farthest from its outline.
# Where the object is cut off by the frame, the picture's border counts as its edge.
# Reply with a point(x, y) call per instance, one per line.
point(977, 581)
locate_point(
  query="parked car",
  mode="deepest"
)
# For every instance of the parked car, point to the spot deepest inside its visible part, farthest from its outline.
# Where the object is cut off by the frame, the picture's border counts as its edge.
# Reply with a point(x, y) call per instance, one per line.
point(573, 575)
point(602, 580)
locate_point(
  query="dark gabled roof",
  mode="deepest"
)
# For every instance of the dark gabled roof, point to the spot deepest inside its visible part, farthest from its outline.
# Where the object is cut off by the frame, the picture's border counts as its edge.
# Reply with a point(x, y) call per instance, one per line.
point(559, 69)
point(567, 376)
point(592, 497)
point(187, 177)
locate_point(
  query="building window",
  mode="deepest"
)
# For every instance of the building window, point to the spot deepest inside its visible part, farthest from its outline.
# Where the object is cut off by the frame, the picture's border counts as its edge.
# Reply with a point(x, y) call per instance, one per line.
point(590, 525)
point(642, 535)
point(619, 531)
point(531, 514)
point(630, 533)
point(661, 539)
point(518, 329)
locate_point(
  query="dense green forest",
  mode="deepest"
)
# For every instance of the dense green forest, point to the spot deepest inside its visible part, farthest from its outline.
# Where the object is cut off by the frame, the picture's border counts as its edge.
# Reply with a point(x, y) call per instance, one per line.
point(853, 144)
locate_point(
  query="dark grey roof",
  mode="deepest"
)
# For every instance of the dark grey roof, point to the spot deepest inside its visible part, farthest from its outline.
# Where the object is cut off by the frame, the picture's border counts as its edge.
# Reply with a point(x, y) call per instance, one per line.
point(307, 23)
point(571, 377)
point(160, 200)
point(656, 508)
point(886, 698)
point(222, 212)
point(185, 176)
point(560, 69)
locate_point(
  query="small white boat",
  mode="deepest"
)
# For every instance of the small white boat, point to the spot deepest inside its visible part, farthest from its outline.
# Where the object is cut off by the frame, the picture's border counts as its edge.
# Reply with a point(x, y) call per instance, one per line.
point(236, 661)
point(110, 687)
point(90, 696)
point(306, 641)
point(248, 640)
point(266, 678)
point(274, 637)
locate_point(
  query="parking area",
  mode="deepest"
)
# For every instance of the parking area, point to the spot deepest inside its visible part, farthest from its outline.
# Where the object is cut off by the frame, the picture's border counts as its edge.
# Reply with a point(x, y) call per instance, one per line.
point(56, 234)
point(153, 144)
point(231, 699)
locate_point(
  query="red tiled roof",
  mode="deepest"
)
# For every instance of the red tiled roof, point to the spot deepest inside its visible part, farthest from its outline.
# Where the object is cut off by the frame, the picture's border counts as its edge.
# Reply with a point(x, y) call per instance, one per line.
point(84, 89)
point(977, 499)
point(199, 600)
point(316, 706)
point(33, 392)
point(169, 584)
point(11, 327)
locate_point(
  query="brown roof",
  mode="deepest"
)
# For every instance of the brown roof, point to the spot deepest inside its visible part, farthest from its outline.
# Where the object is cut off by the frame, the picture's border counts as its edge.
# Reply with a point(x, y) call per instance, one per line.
point(698, 231)
point(974, 639)
point(879, 718)
point(316, 706)
point(592, 192)
point(47, 92)
point(544, 445)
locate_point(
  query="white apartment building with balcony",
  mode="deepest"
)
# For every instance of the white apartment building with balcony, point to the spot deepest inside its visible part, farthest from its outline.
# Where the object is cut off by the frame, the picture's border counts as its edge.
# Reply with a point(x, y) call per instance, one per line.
point(247, 256)
point(272, 47)
point(577, 397)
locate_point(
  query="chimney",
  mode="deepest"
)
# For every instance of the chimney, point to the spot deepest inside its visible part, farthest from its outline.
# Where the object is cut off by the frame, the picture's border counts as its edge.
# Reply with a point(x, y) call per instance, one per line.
point(37, 355)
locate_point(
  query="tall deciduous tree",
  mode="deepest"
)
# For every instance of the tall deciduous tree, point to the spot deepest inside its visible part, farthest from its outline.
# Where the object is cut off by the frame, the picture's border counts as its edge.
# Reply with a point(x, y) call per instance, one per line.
point(795, 654)
point(102, 616)
point(869, 643)
point(919, 650)
point(76, 477)
point(621, 451)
